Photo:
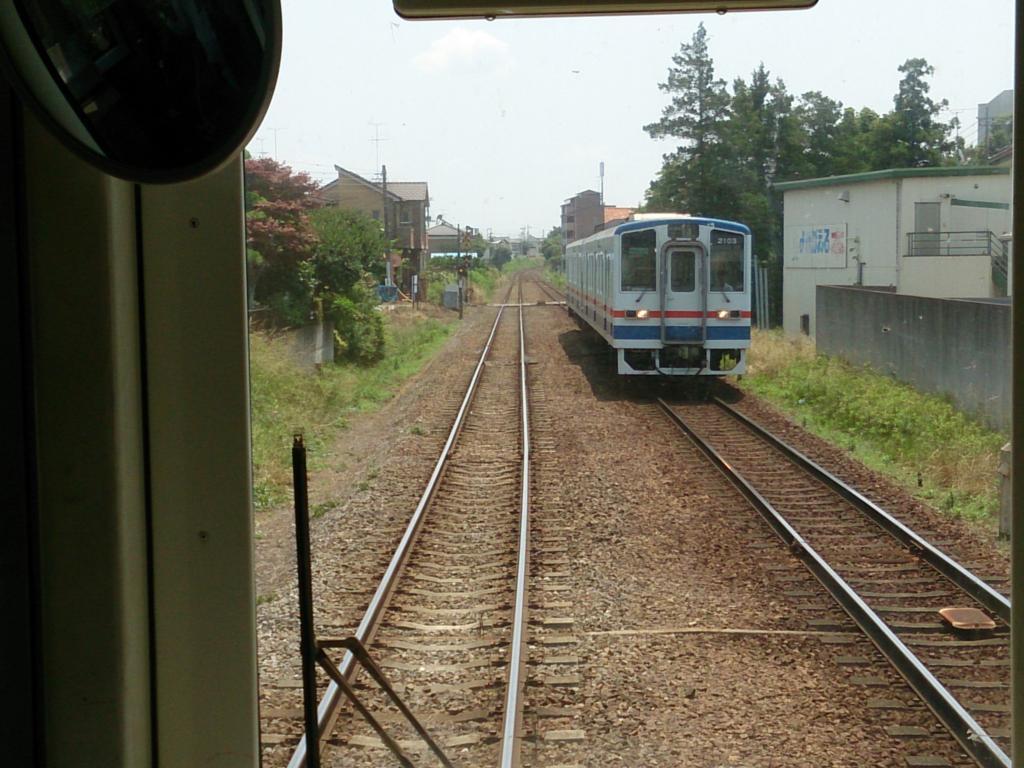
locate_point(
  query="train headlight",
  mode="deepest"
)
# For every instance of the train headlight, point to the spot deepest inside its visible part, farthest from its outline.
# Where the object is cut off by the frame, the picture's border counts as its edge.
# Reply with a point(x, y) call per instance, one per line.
point(723, 314)
point(641, 314)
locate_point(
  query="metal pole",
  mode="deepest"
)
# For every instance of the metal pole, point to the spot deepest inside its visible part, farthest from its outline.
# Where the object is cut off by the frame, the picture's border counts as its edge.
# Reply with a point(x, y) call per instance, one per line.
point(307, 636)
point(458, 263)
point(1017, 389)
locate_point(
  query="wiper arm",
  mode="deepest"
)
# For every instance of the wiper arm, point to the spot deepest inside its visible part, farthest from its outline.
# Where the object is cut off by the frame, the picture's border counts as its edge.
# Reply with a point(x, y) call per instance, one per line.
point(642, 294)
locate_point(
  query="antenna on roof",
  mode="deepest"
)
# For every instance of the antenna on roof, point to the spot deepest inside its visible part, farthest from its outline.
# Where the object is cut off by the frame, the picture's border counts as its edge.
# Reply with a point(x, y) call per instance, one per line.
point(377, 139)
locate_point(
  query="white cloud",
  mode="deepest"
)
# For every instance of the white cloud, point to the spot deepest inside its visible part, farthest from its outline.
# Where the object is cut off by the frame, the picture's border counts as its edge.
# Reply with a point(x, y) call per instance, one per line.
point(465, 49)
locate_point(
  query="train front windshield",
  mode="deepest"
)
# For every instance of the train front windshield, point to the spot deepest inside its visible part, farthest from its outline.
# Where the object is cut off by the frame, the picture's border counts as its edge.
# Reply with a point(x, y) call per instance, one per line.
point(726, 261)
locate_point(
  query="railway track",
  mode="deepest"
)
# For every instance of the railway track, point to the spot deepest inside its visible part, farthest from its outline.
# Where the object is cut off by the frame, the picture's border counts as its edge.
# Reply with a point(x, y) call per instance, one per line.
point(447, 623)
point(548, 290)
point(888, 579)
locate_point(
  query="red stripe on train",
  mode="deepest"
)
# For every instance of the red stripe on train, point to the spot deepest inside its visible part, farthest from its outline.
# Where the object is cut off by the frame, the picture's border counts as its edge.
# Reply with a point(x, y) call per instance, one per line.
point(679, 313)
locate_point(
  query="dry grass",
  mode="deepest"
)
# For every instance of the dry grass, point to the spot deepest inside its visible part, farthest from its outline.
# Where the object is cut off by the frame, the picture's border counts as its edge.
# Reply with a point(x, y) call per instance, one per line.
point(771, 352)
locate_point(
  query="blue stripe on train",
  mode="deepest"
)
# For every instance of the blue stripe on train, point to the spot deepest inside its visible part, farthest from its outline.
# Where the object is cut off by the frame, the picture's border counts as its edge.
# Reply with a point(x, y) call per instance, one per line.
point(682, 332)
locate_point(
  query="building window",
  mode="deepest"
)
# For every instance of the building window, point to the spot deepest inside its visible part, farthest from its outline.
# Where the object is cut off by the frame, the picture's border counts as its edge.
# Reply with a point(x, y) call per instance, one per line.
point(376, 214)
point(570, 219)
point(404, 217)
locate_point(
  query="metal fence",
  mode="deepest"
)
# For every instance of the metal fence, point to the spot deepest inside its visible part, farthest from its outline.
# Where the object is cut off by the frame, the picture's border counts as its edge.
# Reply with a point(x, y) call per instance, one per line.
point(980, 242)
point(761, 307)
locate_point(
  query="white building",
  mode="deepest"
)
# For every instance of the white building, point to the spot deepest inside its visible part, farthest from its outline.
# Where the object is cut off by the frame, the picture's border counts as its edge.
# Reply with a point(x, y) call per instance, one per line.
point(938, 232)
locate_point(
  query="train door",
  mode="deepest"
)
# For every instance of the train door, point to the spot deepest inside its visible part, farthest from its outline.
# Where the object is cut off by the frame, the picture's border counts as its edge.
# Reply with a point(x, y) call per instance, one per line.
point(683, 292)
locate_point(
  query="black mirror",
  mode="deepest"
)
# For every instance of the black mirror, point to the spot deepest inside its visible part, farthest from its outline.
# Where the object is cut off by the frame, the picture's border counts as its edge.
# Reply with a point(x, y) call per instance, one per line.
point(148, 90)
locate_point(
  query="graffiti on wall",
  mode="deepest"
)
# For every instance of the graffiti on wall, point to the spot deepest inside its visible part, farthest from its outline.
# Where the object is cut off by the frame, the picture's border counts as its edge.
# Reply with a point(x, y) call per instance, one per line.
point(820, 246)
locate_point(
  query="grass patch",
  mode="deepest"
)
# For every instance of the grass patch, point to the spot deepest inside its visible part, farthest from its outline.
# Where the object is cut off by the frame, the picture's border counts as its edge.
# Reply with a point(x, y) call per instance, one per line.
point(482, 280)
point(557, 279)
point(921, 440)
point(518, 265)
point(286, 398)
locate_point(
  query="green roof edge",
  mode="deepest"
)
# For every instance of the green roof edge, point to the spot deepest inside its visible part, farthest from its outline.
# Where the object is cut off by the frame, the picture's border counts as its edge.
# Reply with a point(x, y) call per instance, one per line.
point(893, 173)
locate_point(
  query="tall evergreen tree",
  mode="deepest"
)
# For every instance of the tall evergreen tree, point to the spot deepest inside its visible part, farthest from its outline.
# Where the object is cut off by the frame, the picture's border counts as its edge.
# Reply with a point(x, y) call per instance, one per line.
point(691, 177)
point(917, 137)
point(821, 122)
point(765, 142)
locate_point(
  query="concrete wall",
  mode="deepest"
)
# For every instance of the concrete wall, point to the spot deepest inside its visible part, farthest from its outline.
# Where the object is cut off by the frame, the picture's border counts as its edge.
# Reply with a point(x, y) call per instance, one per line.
point(311, 345)
point(947, 276)
point(944, 346)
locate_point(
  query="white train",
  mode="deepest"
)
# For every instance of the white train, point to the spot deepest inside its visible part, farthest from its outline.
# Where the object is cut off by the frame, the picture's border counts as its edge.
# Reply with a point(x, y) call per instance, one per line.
point(670, 293)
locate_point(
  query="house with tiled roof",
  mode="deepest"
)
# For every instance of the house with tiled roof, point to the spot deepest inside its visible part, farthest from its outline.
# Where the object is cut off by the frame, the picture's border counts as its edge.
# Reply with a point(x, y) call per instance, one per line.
point(401, 207)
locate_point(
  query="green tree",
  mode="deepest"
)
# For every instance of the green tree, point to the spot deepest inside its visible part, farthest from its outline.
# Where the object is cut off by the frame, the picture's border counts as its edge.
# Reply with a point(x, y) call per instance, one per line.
point(691, 178)
point(478, 244)
point(913, 135)
point(278, 237)
point(821, 120)
point(553, 244)
point(999, 137)
point(500, 255)
point(350, 247)
point(346, 263)
point(1001, 132)
point(765, 141)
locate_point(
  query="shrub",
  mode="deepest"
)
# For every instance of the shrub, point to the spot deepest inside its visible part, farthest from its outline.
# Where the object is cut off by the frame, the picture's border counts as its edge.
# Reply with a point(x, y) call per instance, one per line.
point(358, 326)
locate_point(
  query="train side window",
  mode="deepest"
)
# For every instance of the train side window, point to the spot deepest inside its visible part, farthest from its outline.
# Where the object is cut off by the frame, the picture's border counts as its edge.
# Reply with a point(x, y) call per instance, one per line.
point(726, 261)
point(684, 273)
point(638, 260)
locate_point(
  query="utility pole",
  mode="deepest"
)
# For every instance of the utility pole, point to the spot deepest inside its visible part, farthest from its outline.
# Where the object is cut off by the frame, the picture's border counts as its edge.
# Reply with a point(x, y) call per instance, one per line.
point(384, 213)
point(275, 130)
point(459, 266)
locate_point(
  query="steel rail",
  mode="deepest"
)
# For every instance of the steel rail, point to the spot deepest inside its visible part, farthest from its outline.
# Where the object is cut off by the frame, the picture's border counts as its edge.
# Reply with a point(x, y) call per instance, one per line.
point(510, 743)
point(940, 561)
point(327, 709)
point(550, 290)
point(957, 720)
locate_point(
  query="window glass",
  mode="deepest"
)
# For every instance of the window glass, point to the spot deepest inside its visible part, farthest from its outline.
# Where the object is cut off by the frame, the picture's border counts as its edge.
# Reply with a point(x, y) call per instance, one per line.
point(726, 261)
point(638, 258)
point(684, 275)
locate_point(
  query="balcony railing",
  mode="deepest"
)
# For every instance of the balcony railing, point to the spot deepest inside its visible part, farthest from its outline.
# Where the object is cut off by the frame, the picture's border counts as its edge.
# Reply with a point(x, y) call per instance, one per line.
point(980, 242)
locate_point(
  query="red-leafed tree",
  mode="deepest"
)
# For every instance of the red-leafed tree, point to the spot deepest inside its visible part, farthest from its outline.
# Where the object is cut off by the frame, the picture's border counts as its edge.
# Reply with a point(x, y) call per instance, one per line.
point(279, 238)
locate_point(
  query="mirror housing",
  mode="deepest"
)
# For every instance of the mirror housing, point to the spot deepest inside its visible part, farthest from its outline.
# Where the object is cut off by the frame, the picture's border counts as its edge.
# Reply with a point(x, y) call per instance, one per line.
point(148, 92)
point(459, 9)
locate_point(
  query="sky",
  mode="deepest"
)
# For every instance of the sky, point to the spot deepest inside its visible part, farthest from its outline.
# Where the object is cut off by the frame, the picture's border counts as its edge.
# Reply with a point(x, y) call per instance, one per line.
point(507, 119)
